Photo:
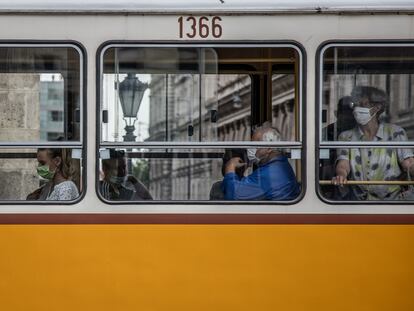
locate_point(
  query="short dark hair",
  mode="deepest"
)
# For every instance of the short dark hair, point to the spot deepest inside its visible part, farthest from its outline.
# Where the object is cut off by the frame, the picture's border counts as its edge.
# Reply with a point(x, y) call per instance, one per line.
point(113, 155)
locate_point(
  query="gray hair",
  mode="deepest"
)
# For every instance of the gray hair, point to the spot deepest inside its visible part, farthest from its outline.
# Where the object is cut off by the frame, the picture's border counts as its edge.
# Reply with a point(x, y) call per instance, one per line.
point(269, 133)
point(373, 94)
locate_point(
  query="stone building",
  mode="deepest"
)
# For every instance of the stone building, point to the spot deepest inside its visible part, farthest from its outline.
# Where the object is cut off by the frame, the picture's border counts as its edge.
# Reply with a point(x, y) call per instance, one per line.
point(399, 87)
point(19, 121)
point(224, 115)
point(51, 109)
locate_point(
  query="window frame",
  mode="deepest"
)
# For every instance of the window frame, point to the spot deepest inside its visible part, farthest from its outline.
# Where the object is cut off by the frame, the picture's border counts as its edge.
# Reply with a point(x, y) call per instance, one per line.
point(320, 144)
point(300, 144)
point(82, 142)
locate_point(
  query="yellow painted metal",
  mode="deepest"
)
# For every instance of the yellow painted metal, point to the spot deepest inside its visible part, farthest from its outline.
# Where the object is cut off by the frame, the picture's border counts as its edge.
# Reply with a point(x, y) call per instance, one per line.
point(206, 267)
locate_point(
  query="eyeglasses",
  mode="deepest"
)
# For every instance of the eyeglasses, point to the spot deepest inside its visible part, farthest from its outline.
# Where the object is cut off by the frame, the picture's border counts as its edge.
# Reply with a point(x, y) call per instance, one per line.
point(371, 104)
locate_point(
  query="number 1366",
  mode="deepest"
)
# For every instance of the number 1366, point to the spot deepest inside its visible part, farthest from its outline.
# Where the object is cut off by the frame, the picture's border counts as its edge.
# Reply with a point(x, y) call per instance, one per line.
point(202, 27)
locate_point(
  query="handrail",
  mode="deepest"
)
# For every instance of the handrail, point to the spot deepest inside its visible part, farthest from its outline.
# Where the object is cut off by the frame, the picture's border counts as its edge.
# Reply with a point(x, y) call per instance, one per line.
point(369, 182)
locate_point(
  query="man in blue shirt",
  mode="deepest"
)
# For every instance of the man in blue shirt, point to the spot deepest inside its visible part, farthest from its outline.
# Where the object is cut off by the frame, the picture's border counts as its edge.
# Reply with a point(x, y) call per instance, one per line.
point(273, 179)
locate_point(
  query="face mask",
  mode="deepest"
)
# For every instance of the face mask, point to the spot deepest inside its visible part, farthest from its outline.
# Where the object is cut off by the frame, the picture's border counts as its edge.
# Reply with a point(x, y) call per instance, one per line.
point(251, 154)
point(362, 115)
point(119, 180)
point(44, 172)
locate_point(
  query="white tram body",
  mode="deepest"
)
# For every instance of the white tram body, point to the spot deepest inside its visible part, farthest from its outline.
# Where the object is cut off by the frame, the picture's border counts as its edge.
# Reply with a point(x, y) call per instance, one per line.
point(332, 256)
point(308, 24)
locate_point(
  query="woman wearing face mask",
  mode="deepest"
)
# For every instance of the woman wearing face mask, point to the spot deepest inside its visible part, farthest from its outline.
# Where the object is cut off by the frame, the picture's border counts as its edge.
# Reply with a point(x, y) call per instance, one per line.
point(55, 167)
point(365, 164)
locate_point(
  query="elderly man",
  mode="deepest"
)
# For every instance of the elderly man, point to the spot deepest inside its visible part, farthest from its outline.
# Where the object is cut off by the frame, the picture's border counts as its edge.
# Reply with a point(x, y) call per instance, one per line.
point(379, 164)
point(273, 179)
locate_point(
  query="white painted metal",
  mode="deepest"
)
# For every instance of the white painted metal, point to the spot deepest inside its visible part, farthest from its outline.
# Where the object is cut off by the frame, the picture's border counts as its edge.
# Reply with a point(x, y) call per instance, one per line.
point(308, 30)
point(191, 6)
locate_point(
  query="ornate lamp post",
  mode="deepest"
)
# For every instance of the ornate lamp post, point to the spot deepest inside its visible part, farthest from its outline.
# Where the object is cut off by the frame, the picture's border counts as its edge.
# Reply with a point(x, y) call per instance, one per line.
point(131, 91)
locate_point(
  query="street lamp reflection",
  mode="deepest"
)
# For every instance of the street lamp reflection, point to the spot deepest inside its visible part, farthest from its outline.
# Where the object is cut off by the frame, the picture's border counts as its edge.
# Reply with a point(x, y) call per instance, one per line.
point(131, 91)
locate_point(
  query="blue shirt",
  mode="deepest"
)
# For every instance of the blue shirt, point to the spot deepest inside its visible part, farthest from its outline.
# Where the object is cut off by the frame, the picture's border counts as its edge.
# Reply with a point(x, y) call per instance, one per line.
point(274, 180)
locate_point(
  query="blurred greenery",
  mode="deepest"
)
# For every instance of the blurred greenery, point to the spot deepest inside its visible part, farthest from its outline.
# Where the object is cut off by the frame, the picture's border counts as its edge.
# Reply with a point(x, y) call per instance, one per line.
point(140, 169)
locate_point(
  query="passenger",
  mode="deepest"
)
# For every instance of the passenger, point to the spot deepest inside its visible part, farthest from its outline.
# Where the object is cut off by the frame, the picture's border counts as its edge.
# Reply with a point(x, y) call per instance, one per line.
point(273, 178)
point(216, 192)
point(365, 164)
point(55, 167)
point(344, 121)
point(116, 184)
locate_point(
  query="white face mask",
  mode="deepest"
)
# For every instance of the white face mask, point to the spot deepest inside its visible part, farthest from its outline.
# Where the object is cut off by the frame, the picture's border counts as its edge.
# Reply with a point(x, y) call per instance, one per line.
point(251, 155)
point(362, 115)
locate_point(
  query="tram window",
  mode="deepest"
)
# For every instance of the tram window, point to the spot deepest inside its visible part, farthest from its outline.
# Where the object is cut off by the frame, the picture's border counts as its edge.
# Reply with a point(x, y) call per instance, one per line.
point(194, 94)
point(188, 174)
point(179, 97)
point(42, 174)
point(283, 105)
point(367, 123)
point(40, 124)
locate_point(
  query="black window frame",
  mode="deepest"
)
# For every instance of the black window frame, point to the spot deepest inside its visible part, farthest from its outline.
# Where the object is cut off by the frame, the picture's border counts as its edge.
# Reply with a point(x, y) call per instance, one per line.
point(81, 144)
point(319, 144)
point(302, 113)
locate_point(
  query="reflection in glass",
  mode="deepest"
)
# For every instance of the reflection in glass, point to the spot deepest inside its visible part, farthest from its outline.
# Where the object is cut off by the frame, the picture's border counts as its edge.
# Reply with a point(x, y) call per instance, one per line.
point(202, 94)
point(367, 95)
point(175, 174)
point(52, 108)
point(49, 174)
point(284, 110)
point(39, 94)
point(345, 68)
point(131, 91)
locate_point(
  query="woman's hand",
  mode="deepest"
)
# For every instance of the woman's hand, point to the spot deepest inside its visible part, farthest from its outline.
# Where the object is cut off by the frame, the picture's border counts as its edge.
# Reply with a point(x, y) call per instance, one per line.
point(339, 180)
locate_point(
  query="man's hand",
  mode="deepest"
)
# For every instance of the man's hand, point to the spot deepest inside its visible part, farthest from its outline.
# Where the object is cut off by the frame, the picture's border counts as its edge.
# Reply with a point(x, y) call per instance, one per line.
point(232, 164)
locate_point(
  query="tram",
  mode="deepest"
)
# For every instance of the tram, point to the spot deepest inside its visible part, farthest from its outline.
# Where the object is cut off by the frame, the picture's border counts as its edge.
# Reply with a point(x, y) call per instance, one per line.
point(137, 108)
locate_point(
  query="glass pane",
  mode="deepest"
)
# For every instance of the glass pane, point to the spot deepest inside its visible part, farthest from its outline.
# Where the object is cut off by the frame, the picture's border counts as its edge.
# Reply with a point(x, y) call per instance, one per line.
point(40, 174)
point(165, 97)
point(284, 106)
point(194, 174)
point(198, 94)
point(374, 174)
point(367, 84)
point(39, 94)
